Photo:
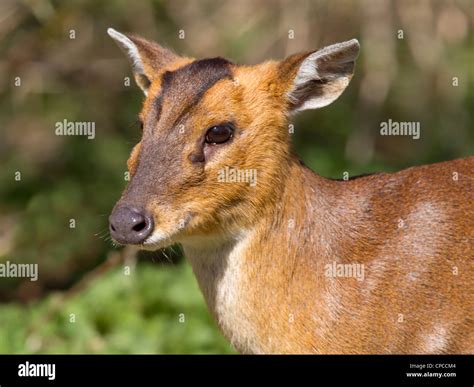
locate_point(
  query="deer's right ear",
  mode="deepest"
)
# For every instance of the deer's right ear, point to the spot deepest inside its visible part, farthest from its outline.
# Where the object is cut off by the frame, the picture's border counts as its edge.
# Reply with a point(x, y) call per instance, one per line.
point(147, 58)
point(316, 79)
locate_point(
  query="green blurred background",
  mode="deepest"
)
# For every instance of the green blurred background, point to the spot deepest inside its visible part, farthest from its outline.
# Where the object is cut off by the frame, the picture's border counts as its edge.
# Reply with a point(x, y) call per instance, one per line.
point(94, 298)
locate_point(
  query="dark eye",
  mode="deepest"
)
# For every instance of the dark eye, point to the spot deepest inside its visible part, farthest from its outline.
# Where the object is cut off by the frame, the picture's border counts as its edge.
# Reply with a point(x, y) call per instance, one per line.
point(141, 126)
point(219, 134)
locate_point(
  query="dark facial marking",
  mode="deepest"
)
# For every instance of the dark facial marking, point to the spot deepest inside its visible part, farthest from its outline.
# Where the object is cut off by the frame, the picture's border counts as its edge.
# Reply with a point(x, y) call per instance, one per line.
point(186, 86)
point(158, 102)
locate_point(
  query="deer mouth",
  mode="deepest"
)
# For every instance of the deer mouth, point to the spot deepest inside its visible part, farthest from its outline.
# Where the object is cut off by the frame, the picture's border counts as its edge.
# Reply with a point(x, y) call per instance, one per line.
point(160, 238)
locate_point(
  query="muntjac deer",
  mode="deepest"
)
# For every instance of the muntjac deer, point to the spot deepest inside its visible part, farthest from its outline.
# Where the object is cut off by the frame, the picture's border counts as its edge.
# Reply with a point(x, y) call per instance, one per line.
point(289, 261)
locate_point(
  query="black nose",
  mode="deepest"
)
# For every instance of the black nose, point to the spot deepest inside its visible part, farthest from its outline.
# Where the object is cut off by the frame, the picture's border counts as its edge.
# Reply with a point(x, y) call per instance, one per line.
point(129, 225)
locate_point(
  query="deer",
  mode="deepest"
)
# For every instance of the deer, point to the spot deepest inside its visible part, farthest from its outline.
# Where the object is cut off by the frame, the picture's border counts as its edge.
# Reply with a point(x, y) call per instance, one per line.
point(296, 263)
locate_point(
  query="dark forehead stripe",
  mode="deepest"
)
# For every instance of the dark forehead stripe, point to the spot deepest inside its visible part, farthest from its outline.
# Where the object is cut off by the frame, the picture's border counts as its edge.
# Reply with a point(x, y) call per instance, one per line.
point(186, 85)
point(206, 71)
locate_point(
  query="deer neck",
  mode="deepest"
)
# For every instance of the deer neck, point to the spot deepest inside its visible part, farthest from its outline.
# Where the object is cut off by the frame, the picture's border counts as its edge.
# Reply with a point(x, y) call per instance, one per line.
point(253, 270)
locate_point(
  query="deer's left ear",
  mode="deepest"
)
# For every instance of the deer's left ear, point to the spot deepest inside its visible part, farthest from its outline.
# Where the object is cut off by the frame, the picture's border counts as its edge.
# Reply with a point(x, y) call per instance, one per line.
point(316, 79)
point(147, 58)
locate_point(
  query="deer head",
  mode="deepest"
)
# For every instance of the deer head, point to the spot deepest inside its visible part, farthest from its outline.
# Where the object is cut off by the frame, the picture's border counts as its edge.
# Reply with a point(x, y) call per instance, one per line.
point(203, 117)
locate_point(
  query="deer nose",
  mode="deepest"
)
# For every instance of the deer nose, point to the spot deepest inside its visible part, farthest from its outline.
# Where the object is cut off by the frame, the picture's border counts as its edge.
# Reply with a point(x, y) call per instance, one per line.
point(130, 225)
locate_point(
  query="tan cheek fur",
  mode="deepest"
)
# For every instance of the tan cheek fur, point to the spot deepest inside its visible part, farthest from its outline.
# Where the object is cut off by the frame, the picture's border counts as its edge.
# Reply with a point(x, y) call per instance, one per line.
point(260, 125)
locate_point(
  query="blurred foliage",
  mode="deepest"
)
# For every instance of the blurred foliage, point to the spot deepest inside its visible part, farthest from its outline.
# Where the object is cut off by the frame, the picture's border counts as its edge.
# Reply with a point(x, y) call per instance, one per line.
point(149, 311)
point(63, 178)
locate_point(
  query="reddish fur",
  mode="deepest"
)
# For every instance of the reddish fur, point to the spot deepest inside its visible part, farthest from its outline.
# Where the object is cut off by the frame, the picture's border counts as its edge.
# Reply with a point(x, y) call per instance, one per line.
point(358, 221)
point(286, 304)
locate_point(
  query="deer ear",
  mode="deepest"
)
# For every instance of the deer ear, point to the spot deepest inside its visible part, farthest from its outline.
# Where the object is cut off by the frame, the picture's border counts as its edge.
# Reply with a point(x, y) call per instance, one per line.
point(147, 58)
point(318, 78)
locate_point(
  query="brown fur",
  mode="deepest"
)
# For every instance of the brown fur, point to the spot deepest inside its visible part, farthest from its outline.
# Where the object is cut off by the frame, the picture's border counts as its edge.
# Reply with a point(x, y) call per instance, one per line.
point(409, 270)
point(260, 253)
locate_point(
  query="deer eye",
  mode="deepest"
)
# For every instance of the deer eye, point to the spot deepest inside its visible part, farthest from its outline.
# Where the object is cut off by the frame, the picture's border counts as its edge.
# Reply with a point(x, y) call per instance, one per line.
point(219, 134)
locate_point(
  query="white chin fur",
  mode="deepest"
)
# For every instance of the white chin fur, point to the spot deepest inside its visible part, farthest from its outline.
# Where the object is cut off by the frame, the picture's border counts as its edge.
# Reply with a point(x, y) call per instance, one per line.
point(157, 240)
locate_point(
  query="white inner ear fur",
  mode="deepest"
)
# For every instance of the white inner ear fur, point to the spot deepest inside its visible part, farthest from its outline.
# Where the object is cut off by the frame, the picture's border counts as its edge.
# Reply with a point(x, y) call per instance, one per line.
point(131, 51)
point(308, 72)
